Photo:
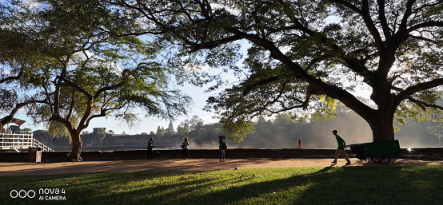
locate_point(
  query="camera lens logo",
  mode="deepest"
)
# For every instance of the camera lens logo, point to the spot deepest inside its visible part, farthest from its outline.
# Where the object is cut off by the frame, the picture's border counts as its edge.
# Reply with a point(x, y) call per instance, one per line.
point(22, 194)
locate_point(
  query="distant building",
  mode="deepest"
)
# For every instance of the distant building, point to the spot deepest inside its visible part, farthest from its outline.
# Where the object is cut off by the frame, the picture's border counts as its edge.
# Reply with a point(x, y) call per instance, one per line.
point(159, 142)
point(171, 127)
point(92, 140)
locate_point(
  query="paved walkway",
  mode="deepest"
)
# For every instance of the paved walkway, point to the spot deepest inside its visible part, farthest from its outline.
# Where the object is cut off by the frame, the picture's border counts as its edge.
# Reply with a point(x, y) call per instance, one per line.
point(23, 168)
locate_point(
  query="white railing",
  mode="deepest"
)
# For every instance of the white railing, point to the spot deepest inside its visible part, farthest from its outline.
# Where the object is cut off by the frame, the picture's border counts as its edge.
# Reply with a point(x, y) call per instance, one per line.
point(21, 141)
point(43, 147)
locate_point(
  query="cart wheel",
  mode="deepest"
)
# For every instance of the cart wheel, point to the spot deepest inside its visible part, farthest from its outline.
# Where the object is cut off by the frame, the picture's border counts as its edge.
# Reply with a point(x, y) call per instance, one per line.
point(375, 159)
point(384, 158)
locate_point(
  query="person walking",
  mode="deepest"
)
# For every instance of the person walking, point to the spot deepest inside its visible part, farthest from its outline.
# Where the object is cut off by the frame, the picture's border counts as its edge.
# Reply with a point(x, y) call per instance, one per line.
point(184, 146)
point(340, 149)
point(299, 143)
point(150, 145)
point(222, 147)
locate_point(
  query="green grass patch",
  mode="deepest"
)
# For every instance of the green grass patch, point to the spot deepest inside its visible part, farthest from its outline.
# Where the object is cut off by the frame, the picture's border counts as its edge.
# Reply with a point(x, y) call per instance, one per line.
point(315, 185)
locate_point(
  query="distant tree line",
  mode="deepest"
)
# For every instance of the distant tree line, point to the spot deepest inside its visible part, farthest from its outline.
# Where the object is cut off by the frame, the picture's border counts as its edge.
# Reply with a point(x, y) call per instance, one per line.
point(283, 131)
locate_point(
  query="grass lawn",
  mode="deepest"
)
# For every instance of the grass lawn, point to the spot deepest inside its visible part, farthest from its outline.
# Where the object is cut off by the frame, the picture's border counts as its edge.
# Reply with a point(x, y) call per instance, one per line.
point(315, 185)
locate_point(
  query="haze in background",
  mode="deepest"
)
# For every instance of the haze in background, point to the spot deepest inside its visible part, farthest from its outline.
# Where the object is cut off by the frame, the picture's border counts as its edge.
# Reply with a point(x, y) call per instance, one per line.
point(282, 132)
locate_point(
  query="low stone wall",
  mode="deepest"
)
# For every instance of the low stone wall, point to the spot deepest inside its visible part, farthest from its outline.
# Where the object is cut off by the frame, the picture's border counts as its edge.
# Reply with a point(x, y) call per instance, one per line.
point(416, 153)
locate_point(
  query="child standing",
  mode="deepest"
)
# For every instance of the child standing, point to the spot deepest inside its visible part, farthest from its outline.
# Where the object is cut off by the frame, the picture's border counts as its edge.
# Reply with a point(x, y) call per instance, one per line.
point(222, 147)
point(150, 152)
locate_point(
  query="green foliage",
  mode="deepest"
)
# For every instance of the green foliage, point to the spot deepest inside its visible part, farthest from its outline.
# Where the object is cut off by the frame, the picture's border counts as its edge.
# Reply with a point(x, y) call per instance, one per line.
point(116, 73)
point(57, 130)
point(326, 111)
point(160, 132)
point(100, 133)
point(183, 131)
point(193, 124)
point(237, 130)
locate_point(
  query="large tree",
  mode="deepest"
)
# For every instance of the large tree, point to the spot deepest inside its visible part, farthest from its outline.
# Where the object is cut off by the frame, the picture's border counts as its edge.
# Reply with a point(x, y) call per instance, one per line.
point(304, 54)
point(91, 71)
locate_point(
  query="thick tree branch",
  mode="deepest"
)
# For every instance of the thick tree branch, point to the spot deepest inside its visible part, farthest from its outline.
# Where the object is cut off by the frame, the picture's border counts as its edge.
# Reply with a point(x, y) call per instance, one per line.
point(348, 5)
point(17, 107)
point(408, 13)
point(71, 108)
point(383, 21)
point(423, 38)
point(213, 44)
point(112, 87)
point(66, 82)
point(249, 88)
point(408, 92)
point(12, 77)
point(64, 122)
point(352, 62)
point(102, 114)
point(424, 105)
point(424, 25)
point(331, 90)
point(364, 13)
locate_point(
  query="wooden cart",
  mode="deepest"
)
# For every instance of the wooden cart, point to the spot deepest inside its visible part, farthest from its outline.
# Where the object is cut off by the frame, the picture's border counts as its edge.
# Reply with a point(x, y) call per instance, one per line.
point(379, 152)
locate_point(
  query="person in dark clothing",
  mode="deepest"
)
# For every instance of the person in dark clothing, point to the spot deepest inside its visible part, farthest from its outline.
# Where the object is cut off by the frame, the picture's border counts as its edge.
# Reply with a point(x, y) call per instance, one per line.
point(222, 147)
point(340, 149)
point(150, 145)
point(185, 146)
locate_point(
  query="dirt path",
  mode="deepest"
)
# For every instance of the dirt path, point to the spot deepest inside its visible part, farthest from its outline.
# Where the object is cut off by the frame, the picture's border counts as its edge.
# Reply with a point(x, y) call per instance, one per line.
point(23, 168)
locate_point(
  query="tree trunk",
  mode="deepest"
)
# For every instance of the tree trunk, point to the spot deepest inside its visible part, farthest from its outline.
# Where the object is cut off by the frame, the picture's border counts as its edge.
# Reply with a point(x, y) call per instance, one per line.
point(382, 126)
point(76, 147)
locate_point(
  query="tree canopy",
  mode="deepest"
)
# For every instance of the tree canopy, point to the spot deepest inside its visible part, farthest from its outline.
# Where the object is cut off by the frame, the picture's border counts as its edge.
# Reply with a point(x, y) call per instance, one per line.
point(304, 55)
point(88, 69)
point(21, 52)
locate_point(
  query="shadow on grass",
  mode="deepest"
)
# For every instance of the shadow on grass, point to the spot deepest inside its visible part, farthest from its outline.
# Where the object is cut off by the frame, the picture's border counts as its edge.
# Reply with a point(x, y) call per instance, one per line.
point(330, 185)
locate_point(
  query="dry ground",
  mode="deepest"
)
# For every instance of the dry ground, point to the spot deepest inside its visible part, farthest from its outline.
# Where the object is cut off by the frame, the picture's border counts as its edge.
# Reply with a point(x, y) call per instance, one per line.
point(159, 165)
